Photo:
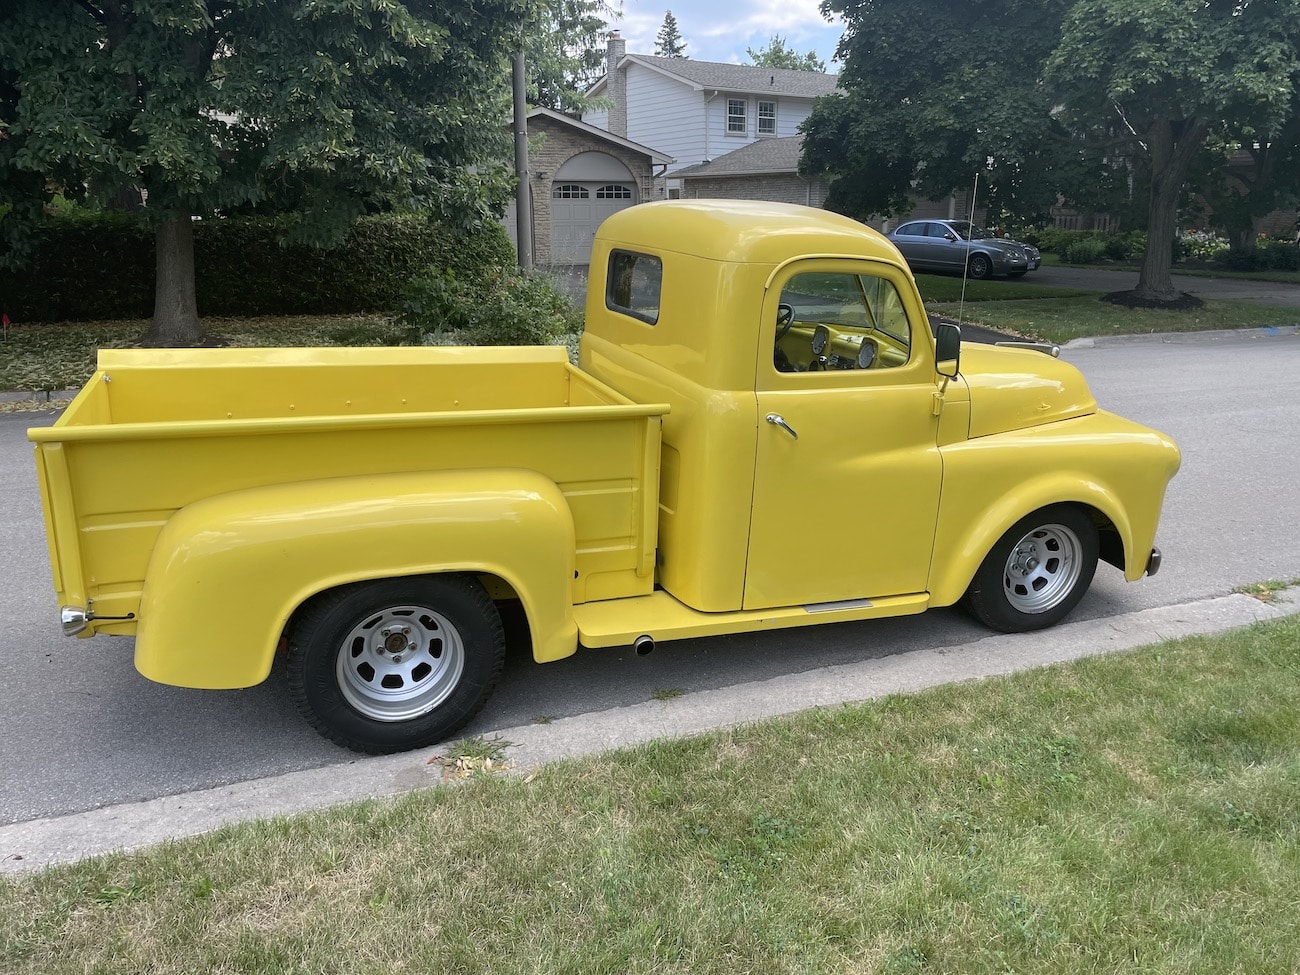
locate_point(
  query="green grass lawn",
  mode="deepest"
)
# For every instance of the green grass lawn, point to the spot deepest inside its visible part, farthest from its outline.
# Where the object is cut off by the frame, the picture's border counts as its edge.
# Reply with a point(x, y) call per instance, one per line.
point(1129, 813)
point(1063, 319)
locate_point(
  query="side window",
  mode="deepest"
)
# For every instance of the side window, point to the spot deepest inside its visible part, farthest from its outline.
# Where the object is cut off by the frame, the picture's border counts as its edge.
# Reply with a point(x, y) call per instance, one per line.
point(912, 230)
point(767, 118)
point(841, 321)
point(633, 285)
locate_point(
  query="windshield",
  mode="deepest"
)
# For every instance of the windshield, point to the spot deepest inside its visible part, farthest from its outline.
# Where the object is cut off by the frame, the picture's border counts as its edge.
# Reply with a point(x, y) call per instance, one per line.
point(968, 231)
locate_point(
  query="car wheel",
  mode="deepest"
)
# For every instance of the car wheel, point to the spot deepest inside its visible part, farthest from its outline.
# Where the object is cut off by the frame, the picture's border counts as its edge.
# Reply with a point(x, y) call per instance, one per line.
point(395, 664)
point(1037, 572)
point(979, 266)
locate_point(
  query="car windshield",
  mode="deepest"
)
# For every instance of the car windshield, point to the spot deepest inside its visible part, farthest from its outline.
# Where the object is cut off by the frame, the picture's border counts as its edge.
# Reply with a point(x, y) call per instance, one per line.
point(968, 231)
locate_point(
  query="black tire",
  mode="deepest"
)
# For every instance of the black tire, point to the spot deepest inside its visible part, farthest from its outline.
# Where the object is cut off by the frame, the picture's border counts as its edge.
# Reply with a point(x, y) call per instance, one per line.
point(1037, 572)
point(979, 267)
point(395, 664)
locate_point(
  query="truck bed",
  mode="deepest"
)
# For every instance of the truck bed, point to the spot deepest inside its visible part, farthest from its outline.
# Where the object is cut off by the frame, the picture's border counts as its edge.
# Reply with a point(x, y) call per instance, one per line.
point(155, 430)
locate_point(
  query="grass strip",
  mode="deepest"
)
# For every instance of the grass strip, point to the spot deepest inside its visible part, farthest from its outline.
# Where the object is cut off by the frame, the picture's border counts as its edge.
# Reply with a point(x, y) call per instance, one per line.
point(1131, 813)
point(1063, 319)
point(945, 287)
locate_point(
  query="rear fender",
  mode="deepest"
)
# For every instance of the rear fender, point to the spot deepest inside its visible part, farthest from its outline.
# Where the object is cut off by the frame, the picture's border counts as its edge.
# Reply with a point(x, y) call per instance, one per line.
point(227, 572)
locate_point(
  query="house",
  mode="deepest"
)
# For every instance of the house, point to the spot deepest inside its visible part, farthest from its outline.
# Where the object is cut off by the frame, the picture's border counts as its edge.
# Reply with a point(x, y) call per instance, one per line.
point(699, 111)
point(578, 176)
point(766, 169)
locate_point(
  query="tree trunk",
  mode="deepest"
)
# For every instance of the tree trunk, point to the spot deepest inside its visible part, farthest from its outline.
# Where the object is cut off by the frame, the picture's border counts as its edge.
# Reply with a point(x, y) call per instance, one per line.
point(175, 310)
point(1172, 144)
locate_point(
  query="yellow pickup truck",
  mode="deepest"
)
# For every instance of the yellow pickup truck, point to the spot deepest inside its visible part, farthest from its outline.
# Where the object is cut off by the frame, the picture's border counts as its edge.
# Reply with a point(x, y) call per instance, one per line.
point(763, 431)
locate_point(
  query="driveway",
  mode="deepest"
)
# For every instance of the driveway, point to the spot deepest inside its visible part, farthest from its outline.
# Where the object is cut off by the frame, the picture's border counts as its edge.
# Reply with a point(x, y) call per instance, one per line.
point(1218, 289)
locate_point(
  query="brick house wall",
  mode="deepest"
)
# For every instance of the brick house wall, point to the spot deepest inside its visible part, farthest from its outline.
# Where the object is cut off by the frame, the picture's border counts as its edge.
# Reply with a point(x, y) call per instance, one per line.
point(552, 144)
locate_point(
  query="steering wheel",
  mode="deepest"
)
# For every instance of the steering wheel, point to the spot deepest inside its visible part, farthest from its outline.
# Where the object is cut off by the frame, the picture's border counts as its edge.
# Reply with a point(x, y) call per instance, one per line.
point(784, 319)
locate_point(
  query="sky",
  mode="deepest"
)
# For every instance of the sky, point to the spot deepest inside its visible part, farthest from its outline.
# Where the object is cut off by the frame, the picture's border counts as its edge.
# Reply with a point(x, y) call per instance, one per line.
point(722, 30)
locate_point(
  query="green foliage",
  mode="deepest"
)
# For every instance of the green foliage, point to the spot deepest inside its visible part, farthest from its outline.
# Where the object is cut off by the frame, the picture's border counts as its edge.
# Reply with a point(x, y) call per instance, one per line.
point(507, 307)
point(1086, 251)
point(1106, 101)
point(668, 42)
point(327, 110)
point(566, 53)
point(100, 266)
point(1266, 255)
point(777, 55)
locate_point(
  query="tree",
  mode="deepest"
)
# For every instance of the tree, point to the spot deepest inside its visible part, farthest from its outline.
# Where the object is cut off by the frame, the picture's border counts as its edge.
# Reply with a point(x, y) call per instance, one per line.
point(325, 109)
point(777, 55)
point(1159, 78)
point(567, 55)
point(933, 95)
point(668, 42)
point(1071, 96)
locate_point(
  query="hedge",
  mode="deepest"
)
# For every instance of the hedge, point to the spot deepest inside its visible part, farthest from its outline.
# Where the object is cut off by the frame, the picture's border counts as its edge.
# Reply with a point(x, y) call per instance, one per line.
point(101, 266)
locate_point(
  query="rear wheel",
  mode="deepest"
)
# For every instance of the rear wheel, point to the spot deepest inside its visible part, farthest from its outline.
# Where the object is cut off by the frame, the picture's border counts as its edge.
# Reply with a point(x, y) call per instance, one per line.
point(1037, 572)
point(395, 664)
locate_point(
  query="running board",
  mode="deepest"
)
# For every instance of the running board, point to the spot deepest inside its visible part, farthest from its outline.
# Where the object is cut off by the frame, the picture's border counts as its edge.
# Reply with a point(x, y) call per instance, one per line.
point(619, 622)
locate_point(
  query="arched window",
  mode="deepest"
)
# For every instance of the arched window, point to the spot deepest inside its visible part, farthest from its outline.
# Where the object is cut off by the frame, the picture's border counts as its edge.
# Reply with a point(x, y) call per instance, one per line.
point(614, 191)
point(570, 191)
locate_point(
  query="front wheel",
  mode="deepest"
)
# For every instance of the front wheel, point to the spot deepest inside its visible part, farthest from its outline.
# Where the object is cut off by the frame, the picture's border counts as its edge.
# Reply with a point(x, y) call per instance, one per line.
point(1037, 572)
point(395, 664)
point(980, 267)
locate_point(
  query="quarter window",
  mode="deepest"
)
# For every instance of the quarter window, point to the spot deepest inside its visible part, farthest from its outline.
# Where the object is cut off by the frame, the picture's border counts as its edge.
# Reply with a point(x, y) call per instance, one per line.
point(767, 118)
point(737, 120)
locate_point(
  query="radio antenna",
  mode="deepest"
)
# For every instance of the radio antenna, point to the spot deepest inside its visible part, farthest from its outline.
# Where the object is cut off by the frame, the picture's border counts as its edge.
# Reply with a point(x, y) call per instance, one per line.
point(965, 270)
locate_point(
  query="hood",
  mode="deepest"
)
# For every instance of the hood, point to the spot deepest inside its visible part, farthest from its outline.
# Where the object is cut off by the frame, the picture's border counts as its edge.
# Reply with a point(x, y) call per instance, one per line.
point(1011, 389)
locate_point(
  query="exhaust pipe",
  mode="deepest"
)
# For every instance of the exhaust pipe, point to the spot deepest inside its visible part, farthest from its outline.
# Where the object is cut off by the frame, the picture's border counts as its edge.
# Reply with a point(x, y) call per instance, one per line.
point(643, 644)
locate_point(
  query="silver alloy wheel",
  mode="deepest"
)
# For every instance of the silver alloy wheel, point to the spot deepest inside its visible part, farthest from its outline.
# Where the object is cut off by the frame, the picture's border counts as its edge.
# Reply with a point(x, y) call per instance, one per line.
point(400, 663)
point(1042, 569)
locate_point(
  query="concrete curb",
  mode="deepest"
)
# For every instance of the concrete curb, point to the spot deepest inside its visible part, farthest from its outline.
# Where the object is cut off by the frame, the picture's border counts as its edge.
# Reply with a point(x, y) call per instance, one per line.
point(132, 826)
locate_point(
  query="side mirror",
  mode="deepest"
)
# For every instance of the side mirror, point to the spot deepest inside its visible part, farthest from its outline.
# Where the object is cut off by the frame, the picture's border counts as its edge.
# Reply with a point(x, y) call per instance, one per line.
point(947, 350)
point(949, 236)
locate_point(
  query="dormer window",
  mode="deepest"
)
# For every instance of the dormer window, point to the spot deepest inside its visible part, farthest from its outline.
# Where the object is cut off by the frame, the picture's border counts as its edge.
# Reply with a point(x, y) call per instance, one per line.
point(767, 118)
point(737, 116)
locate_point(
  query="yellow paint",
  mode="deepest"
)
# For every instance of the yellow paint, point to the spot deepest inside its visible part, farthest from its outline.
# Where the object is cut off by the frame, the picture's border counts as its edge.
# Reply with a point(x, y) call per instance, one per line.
point(206, 493)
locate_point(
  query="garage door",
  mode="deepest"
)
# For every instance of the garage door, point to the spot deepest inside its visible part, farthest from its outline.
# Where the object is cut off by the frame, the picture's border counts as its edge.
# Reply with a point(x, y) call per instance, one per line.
point(587, 189)
point(577, 209)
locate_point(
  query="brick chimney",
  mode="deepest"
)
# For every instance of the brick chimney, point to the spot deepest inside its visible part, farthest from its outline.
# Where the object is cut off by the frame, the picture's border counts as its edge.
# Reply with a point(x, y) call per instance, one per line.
point(616, 83)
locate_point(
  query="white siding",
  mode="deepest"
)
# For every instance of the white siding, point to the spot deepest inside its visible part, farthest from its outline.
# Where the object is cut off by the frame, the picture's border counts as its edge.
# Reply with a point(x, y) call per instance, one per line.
point(666, 115)
point(597, 117)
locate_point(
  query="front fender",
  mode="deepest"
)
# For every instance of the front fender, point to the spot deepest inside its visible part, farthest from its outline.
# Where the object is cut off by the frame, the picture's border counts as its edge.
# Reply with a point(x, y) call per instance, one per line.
point(227, 572)
point(1101, 461)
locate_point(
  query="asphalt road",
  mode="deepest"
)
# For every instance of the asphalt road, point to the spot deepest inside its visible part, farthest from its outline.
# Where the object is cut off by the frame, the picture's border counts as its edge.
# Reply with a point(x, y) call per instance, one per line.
point(81, 729)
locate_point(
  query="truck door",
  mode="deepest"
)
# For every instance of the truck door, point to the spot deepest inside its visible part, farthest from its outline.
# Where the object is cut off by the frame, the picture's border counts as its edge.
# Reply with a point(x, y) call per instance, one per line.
point(847, 476)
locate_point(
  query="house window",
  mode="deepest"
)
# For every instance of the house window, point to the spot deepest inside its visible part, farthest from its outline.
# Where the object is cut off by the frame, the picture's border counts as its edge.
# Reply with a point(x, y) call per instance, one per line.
point(767, 118)
point(737, 123)
point(614, 191)
point(570, 191)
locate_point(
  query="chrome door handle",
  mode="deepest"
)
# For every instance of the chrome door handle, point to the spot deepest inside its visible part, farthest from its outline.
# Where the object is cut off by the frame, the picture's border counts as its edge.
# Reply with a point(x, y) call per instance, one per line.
point(777, 420)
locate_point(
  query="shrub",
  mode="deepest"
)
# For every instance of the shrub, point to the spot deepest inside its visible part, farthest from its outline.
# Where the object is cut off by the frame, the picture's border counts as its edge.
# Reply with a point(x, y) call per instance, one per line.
point(101, 265)
point(1086, 251)
point(508, 307)
point(1266, 255)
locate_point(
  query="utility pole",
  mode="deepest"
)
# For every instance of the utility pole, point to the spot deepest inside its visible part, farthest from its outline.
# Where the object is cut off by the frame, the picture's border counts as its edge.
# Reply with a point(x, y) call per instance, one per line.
point(523, 204)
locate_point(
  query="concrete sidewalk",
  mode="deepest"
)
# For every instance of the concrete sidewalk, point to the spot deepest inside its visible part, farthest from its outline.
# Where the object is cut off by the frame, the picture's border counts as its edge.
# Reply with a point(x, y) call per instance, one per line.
point(39, 843)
